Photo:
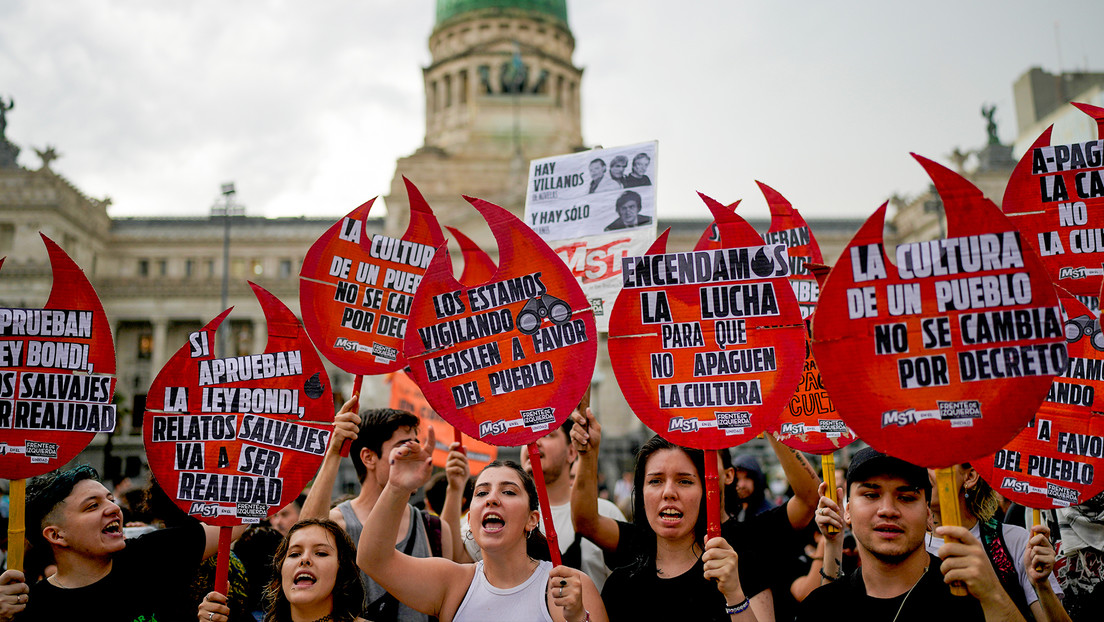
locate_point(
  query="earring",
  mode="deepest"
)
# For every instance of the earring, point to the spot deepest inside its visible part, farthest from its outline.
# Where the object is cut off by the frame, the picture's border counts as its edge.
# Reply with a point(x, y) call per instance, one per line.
point(529, 534)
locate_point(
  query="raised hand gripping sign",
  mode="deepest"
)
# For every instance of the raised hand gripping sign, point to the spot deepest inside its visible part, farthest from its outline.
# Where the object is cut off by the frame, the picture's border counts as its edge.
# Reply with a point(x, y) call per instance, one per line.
point(507, 360)
point(945, 355)
point(1058, 459)
point(705, 345)
point(232, 440)
point(356, 290)
point(57, 374)
point(1056, 197)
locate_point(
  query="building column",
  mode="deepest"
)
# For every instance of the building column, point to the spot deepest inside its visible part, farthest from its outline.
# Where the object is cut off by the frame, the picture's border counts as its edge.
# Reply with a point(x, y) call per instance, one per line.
point(158, 356)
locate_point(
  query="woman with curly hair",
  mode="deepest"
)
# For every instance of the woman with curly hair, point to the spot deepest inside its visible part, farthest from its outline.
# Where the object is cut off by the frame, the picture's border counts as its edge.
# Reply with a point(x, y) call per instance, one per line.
point(314, 577)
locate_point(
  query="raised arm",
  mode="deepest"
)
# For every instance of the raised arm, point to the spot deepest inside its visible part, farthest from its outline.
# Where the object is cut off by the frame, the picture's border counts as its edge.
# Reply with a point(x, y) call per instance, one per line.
point(828, 514)
point(965, 560)
point(1039, 564)
point(804, 481)
point(586, 436)
point(346, 426)
point(424, 584)
point(457, 473)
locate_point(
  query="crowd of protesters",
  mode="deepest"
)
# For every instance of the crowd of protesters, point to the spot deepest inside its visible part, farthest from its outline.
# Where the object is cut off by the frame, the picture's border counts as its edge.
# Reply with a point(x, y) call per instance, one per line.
point(874, 549)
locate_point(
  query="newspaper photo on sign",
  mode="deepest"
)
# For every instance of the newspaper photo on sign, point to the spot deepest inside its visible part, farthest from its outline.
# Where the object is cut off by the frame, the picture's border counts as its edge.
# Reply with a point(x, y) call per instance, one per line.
point(595, 208)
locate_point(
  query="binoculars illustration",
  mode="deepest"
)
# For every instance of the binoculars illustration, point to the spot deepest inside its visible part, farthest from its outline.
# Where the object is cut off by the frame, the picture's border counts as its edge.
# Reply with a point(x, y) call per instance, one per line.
point(529, 318)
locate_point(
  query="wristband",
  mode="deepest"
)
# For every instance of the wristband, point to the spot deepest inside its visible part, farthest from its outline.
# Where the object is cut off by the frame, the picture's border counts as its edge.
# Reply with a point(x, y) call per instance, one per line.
point(587, 617)
point(839, 575)
point(739, 607)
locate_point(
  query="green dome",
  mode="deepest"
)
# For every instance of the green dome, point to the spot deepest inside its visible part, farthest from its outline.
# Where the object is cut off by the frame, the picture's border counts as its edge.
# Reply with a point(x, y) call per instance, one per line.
point(449, 9)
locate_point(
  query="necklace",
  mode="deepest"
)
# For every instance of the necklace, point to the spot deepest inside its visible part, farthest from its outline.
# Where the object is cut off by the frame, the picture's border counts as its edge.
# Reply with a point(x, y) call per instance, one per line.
point(909, 592)
point(325, 618)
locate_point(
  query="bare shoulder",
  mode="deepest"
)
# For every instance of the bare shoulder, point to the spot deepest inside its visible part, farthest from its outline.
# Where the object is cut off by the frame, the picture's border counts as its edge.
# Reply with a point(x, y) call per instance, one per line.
point(337, 517)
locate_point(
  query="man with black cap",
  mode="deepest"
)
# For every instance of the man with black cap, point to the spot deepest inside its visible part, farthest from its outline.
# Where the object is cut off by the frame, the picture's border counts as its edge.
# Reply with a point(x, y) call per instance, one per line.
point(899, 580)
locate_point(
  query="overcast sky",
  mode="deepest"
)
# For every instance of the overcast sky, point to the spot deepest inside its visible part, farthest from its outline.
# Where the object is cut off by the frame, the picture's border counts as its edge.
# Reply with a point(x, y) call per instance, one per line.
point(307, 105)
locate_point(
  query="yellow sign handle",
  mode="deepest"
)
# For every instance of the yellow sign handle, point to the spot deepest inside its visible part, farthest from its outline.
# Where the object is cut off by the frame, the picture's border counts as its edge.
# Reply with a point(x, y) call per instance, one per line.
point(17, 497)
point(828, 468)
point(950, 512)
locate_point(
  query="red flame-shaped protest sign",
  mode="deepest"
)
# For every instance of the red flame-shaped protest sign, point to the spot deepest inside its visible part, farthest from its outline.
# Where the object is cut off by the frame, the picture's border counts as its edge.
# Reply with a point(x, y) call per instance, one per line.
point(1056, 197)
point(1058, 460)
point(355, 289)
point(705, 344)
point(507, 360)
point(57, 374)
point(944, 355)
point(232, 440)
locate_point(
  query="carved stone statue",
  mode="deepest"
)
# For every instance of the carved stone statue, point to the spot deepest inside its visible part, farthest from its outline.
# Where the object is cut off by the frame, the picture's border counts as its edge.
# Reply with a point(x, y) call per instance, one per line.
point(4, 108)
point(47, 155)
point(991, 126)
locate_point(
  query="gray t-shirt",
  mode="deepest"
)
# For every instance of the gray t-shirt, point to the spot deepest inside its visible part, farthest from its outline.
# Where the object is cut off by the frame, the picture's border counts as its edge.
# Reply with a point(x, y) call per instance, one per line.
point(418, 548)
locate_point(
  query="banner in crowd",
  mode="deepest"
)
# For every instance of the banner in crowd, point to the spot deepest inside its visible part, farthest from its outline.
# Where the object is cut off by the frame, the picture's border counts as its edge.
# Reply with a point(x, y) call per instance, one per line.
point(705, 344)
point(507, 360)
point(1055, 196)
point(232, 440)
point(594, 208)
point(405, 395)
point(945, 354)
point(57, 374)
point(1053, 462)
point(355, 288)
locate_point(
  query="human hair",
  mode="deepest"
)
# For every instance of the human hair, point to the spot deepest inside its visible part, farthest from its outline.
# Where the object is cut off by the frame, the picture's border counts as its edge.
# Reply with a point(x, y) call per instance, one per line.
point(536, 545)
point(377, 426)
point(731, 496)
point(622, 160)
point(641, 156)
point(599, 161)
point(348, 593)
point(46, 492)
point(981, 500)
point(626, 196)
point(646, 546)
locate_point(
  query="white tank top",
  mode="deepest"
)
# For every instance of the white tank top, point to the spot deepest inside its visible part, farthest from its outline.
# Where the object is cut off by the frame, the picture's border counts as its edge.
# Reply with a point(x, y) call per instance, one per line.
point(524, 603)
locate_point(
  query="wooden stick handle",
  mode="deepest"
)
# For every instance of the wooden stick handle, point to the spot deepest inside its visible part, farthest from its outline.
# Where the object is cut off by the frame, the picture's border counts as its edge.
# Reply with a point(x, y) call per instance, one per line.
point(828, 469)
point(950, 513)
point(17, 499)
point(546, 508)
point(1037, 519)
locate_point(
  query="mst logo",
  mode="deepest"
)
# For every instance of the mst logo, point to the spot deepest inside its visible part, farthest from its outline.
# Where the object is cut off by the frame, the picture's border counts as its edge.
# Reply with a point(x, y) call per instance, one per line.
point(207, 510)
point(346, 344)
point(1072, 273)
point(793, 428)
point(490, 428)
point(1016, 485)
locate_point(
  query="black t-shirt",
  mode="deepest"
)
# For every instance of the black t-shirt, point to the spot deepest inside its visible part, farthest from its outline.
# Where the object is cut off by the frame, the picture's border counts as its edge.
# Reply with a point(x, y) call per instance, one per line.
point(148, 582)
point(632, 597)
point(755, 542)
point(846, 600)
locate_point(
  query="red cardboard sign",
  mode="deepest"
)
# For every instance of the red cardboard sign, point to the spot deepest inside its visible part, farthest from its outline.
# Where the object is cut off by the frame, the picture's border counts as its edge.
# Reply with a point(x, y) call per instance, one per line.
point(705, 344)
point(1056, 197)
point(57, 374)
point(945, 355)
point(1058, 460)
point(232, 440)
point(405, 395)
point(355, 291)
point(507, 360)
